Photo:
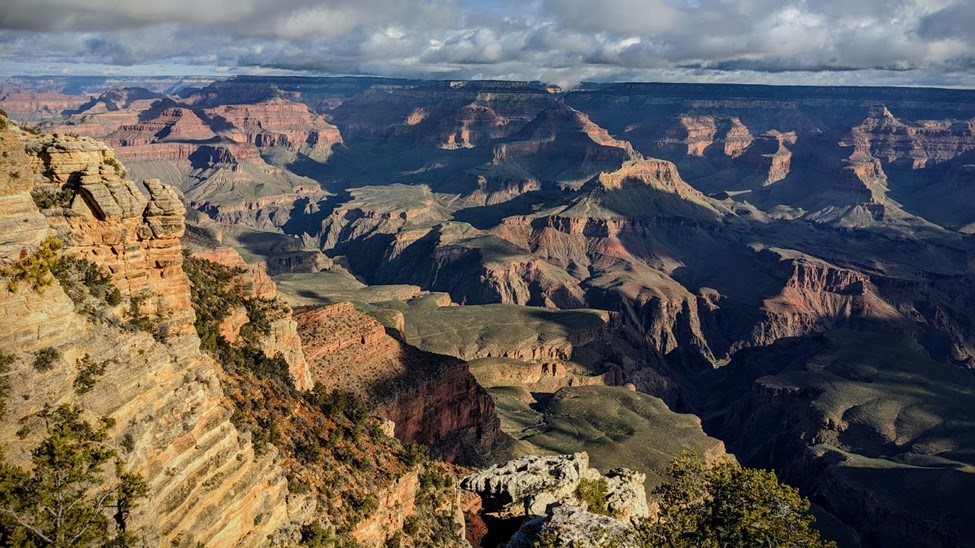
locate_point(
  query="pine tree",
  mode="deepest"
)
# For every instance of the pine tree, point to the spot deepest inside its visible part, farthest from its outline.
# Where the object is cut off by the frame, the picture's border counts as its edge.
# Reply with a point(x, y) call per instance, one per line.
point(72, 493)
point(726, 505)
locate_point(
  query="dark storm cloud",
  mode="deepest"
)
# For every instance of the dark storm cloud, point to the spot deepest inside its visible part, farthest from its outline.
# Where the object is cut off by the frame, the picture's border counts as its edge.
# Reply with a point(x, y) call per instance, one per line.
point(565, 41)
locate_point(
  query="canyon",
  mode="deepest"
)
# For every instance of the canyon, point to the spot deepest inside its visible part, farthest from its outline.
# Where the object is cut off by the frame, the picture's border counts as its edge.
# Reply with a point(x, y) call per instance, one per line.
point(782, 273)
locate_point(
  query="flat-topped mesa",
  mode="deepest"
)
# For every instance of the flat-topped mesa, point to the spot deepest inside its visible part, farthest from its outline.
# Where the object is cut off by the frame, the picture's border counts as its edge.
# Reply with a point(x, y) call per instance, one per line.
point(120, 98)
point(443, 115)
point(657, 173)
point(563, 144)
point(39, 106)
point(278, 122)
point(652, 188)
point(171, 123)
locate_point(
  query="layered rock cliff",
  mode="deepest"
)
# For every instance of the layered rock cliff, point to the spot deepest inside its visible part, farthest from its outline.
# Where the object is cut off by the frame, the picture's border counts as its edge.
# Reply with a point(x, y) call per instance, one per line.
point(208, 484)
point(224, 157)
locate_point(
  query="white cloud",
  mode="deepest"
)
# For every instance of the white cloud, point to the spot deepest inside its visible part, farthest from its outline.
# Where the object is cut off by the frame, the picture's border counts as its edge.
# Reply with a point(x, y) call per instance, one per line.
point(822, 41)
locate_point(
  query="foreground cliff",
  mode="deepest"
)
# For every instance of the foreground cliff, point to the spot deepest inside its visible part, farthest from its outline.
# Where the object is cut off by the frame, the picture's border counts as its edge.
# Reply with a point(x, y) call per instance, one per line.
point(97, 311)
point(208, 484)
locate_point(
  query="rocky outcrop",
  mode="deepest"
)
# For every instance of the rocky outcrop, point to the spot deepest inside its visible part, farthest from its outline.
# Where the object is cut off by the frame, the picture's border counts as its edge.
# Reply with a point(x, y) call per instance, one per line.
point(702, 131)
point(254, 279)
point(144, 126)
point(819, 296)
point(175, 414)
point(574, 526)
point(738, 139)
point(658, 174)
point(818, 410)
point(386, 211)
point(439, 114)
point(110, 221)
point(31, 106)
point(780, 161)
point(561, 144)
point(225, 157)
point(529, 485)
point(170, 123)
point(279, 123)
point(396, 504)
point(543, 490)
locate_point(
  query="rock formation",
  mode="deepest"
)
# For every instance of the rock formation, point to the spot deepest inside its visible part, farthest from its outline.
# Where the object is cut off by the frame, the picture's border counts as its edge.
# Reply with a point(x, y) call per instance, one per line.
point(545, 492)
point(529, 485)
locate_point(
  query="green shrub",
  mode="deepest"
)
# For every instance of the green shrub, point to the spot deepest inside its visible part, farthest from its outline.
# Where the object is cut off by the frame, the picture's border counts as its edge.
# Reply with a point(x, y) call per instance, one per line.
point(78, 277)
point(212, 297)
point(592, 494)
point(141, 321)
point(60, 197)
point(315, 535)
point(81, 277)
point(260, 313)
point(119, 170)
point(237, 359)
point(35, 269)
point(361, 506)
point(307, 451)
point(45, 358)
point(338, 405)
point(415, 454)
point(395, 541)
point(412, 526)
point(432, 522)
point(548, 538)
point(113, 296)
point(127, 442)
point(88, 373)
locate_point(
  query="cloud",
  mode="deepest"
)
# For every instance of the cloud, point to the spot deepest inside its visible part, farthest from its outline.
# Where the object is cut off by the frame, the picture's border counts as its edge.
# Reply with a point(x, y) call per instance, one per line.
point(565, 41)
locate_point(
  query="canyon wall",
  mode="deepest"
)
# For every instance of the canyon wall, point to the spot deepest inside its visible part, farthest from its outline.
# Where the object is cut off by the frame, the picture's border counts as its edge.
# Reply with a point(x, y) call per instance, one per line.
point(208, 484)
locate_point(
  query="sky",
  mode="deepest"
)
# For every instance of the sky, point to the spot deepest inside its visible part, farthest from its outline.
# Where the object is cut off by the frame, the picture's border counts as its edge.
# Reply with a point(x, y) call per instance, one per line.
point(814, 42)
